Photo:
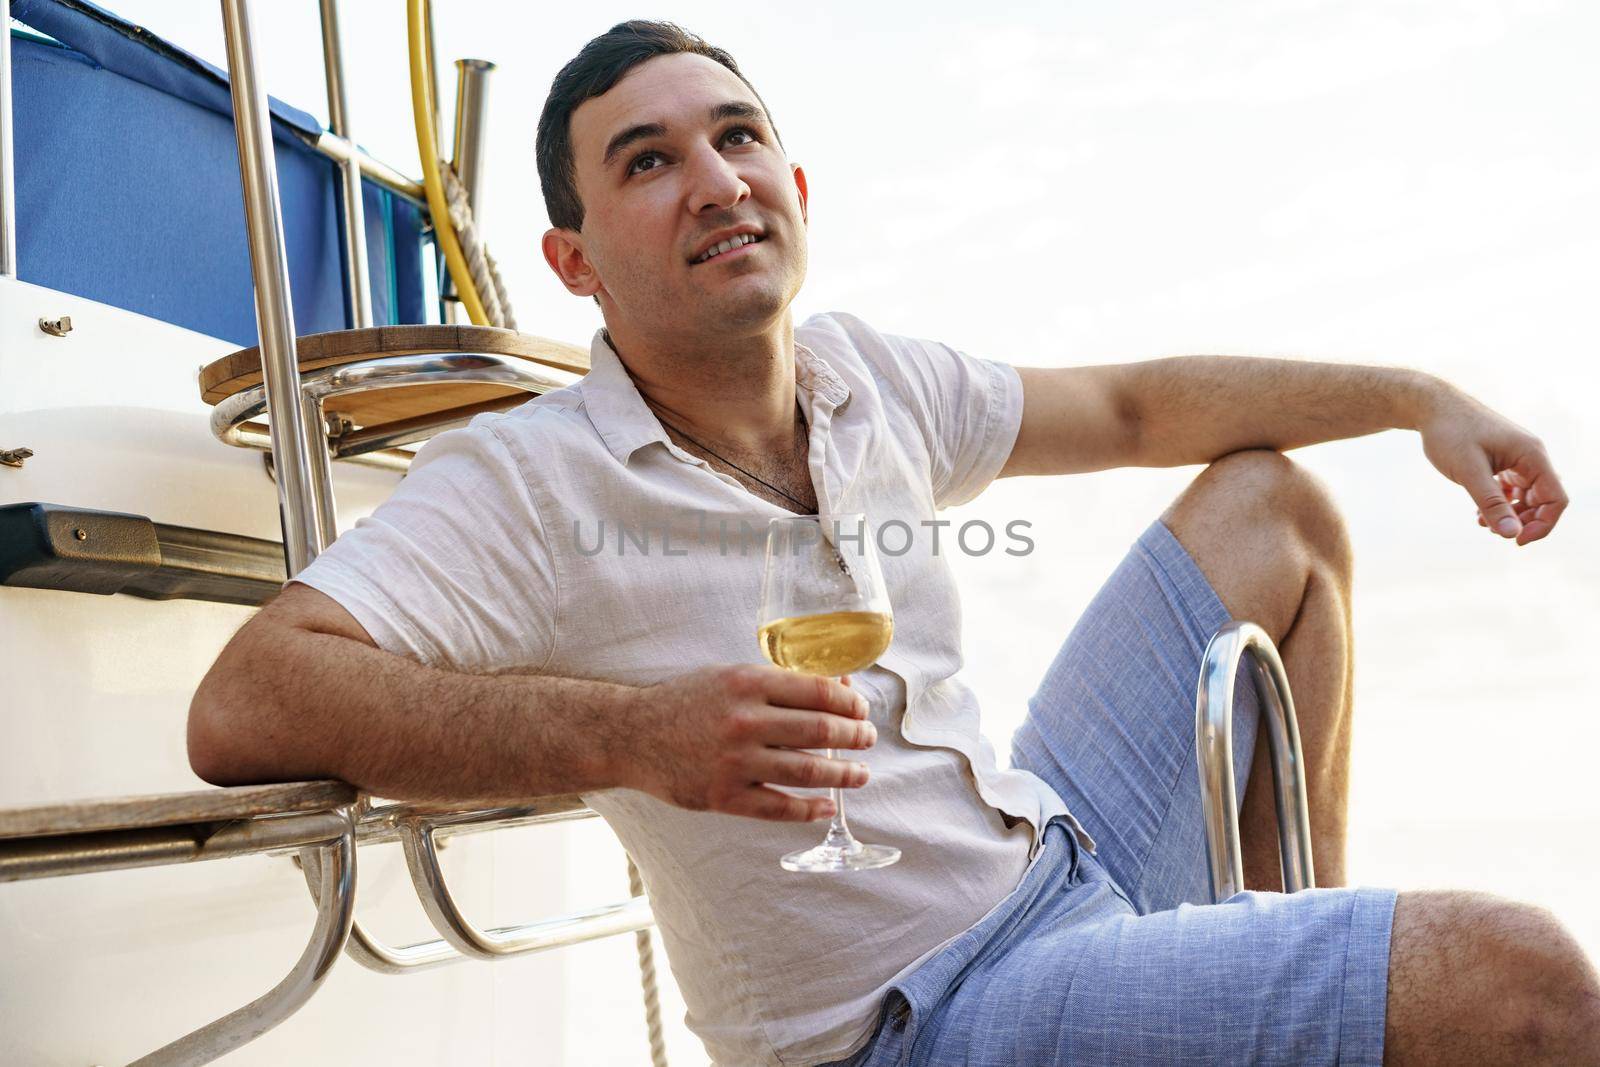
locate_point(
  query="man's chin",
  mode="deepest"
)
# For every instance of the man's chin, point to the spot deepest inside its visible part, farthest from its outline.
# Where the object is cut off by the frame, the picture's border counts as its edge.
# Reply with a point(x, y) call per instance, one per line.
point(746, 305)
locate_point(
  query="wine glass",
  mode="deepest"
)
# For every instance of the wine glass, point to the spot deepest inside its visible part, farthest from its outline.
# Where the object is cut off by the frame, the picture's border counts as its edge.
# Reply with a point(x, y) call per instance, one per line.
point(824, 610)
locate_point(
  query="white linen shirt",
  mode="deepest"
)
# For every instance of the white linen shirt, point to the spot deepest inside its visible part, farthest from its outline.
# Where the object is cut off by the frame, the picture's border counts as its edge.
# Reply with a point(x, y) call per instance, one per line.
point(572, 537)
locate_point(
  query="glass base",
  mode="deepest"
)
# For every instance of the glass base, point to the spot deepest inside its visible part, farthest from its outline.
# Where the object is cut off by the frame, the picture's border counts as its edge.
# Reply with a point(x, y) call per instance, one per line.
point(852, 857)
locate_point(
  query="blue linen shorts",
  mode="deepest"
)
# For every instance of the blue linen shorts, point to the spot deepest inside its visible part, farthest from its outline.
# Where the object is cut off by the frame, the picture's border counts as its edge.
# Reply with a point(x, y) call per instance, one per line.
point(1117, 957)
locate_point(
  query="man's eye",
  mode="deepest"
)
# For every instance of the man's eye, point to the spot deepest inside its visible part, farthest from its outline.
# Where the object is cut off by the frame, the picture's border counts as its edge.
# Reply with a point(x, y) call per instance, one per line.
point(634, 168)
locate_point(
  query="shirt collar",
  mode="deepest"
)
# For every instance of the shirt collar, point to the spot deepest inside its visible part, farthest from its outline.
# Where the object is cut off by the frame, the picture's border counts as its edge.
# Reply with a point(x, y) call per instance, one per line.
point(615, 407)
point(812, 374)
point(626, 424)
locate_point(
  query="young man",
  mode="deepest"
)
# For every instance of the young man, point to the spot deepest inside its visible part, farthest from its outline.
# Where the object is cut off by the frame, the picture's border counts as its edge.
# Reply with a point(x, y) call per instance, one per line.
point(483, 639)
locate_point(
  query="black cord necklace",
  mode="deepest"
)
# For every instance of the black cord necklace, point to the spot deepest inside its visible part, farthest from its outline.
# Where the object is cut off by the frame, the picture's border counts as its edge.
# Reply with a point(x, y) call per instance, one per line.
point(800, 503)
point(648, 403)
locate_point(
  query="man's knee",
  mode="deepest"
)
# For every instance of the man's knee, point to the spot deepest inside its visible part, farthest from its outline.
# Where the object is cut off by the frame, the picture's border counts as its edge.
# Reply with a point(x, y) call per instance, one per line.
point(1480, 979)
point(1269, 491)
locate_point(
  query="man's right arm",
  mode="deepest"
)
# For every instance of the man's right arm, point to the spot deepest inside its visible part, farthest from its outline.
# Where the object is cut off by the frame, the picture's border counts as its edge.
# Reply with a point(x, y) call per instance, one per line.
point(303, 692)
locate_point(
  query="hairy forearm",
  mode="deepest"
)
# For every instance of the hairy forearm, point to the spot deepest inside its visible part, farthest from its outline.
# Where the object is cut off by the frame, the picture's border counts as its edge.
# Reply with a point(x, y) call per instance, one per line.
point(287, 703)
point(1193, 409)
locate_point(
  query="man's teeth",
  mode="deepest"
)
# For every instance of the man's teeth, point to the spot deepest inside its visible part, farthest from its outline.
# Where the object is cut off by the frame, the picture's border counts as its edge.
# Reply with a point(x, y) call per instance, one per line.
point(728, 245)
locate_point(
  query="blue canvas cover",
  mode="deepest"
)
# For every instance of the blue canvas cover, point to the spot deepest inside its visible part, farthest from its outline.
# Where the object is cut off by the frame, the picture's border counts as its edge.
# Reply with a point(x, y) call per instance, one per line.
point(127, 186)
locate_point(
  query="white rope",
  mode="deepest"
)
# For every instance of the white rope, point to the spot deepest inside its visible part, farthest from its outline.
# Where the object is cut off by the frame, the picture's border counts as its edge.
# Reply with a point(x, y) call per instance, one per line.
point(485, 272)
point(647, 977)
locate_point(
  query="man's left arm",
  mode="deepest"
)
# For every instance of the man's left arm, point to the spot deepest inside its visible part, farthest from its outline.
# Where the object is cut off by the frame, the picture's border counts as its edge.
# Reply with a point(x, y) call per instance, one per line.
point(1194, 409)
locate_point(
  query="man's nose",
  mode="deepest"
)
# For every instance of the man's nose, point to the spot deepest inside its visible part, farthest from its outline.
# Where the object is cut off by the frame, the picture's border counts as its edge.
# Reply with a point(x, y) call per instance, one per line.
point(715, 183)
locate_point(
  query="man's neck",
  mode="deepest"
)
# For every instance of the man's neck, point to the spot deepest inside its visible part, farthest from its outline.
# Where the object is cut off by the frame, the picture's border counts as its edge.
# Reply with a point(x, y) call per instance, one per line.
point(738, 392)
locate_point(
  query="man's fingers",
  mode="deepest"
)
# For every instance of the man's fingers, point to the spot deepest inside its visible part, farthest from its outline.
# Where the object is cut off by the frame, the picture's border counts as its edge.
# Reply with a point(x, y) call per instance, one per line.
point(791, 689)
point(1540, 521)
point(811, 729)
point(1492, 505)
point(1535, 508)
point(1511, 487)
point(1539, 498)
point(778, 766)
point(1525, 512)
point(761, 802)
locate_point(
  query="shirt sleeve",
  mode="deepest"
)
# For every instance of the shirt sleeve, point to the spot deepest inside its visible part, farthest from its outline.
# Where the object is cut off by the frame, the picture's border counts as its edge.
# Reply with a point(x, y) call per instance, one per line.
point(454, 569)
point(968, 409)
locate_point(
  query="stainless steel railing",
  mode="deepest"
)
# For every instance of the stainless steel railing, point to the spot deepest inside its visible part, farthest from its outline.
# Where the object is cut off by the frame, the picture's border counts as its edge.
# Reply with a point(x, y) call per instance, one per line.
point(231, 418)
point(1214, 751)
point(314, 819)
point(296, 439)
point(321, 824)
point(358, 284)
point(126, 842)
point(410, 823)
point(472, 104)
point(417, 836)
point(339, 150)
point(335, 852)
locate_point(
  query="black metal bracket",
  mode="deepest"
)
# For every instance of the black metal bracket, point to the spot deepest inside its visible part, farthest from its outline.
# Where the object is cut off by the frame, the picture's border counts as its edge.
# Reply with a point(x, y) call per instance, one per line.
point(48, 546)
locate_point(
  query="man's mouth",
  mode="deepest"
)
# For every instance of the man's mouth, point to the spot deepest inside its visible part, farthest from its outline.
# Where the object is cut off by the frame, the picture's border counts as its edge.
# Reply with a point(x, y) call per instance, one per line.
point(730, 245)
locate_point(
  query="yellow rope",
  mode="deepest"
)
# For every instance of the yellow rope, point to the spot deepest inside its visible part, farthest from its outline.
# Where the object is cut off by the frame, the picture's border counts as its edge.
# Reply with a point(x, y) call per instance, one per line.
point(422, 112)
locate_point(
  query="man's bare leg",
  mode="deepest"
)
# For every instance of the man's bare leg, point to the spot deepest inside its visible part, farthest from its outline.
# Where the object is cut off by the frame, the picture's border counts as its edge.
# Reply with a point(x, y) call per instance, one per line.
point(1270, 540)
point(1480, 980)
point(1472, 978)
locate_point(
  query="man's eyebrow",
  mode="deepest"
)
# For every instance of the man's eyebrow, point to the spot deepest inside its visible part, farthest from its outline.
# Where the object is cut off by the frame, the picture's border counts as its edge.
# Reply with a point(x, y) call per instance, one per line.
point(732, 109)
point(738, 109)
point(629, 136)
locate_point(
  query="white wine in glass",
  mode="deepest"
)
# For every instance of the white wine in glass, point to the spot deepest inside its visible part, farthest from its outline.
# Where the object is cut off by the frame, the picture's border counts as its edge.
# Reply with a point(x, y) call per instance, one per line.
point(824, 610)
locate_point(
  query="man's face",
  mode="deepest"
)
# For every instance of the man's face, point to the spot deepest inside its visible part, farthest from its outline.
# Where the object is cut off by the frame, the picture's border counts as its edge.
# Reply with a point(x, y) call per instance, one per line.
point(676, 157)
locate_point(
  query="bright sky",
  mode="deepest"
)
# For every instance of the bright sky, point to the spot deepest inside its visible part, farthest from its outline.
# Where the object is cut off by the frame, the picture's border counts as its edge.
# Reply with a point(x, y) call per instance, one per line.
point(1384, 181)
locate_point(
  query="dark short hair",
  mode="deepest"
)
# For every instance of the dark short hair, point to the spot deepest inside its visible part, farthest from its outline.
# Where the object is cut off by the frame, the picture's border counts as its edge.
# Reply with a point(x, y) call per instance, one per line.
point(591, 73)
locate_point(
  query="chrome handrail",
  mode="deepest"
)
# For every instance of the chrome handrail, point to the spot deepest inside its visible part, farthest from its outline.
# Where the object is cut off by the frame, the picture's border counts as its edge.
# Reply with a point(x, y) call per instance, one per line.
point(254, 435)
point(301, 465)
point(386, 822)
point(335, 912)
point(232, 413)
point(65, 852)
point(472, 106)
point(372, 953)
point(422, 859)
point(380, 823)
point(1219, 801)
point(358, 284)
point(340, 150)
point(296, 446)
point(71, 853)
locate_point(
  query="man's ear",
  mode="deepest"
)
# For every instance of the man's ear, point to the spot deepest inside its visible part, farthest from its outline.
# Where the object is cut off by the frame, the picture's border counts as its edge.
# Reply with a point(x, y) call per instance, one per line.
point(800, 184)
point(564, 251)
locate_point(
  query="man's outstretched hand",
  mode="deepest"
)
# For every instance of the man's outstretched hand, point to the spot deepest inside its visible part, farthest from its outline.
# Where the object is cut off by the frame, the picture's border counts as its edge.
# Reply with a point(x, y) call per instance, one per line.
point(718, 738)
point(1504, 468)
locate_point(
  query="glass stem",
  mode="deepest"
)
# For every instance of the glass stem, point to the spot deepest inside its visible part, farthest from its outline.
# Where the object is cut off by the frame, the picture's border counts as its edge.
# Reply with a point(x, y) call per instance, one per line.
point(838, 831)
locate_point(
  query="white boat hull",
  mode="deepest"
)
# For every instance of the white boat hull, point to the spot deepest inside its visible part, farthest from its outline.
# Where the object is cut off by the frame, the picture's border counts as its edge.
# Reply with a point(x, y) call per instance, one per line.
point(103, 968)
